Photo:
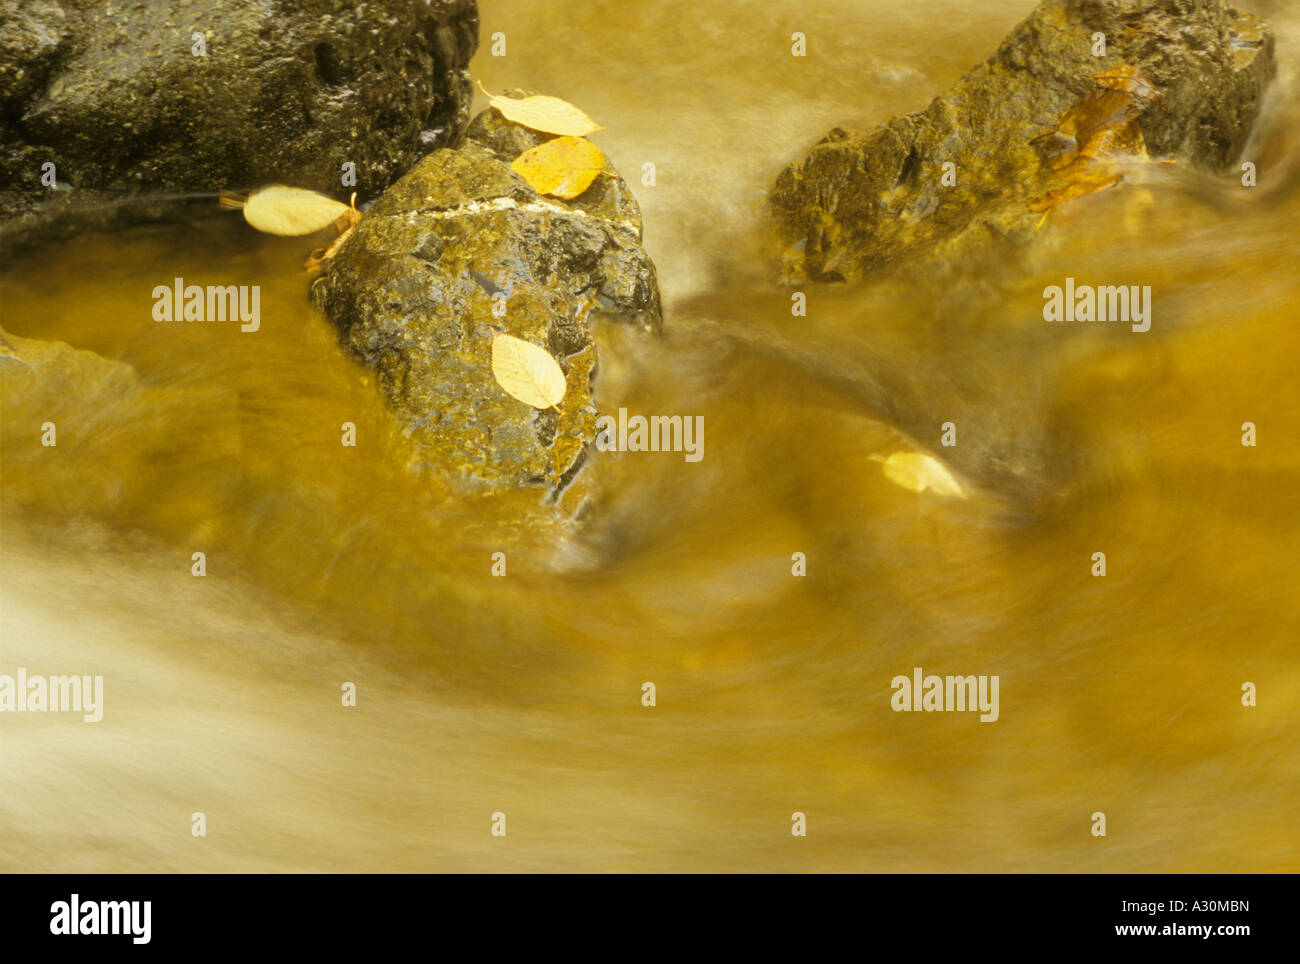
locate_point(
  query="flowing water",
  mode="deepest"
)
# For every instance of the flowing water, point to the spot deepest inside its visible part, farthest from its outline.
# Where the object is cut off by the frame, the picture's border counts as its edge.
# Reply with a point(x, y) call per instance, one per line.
point(479, 694)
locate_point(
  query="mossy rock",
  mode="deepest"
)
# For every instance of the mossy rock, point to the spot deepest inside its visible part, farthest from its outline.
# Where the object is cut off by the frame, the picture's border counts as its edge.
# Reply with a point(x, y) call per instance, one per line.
point(413, 294)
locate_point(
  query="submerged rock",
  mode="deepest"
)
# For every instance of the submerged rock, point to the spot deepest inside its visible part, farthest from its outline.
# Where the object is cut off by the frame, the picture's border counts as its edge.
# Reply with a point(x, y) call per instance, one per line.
point(59, 400)
point(120, 97)
point(55, 371)
point(1178, 80)
point(413, 294)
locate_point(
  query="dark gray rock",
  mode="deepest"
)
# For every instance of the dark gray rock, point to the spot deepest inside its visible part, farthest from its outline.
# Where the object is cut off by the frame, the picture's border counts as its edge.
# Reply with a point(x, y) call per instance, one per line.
point(412, 293)
point(862, 200)
point(113, 95)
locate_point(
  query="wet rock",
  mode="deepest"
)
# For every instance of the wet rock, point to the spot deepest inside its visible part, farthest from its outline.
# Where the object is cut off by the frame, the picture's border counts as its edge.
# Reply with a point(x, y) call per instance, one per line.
point(413, 294)
point(1192, 76)
point(115, 97)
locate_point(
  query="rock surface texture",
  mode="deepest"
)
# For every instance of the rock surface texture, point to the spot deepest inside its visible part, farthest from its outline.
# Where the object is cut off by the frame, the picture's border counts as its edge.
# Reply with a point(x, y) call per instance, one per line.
point(1044, 120)
point(121, 96)
point(462, 247)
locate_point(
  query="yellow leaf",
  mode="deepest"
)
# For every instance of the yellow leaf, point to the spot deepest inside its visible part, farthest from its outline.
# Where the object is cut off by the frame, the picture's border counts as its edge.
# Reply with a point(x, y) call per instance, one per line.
point(277, 209)
point(563, 167)
point(541, 113)
point(527, 372)
point(918, 472)
point(1094, 135)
